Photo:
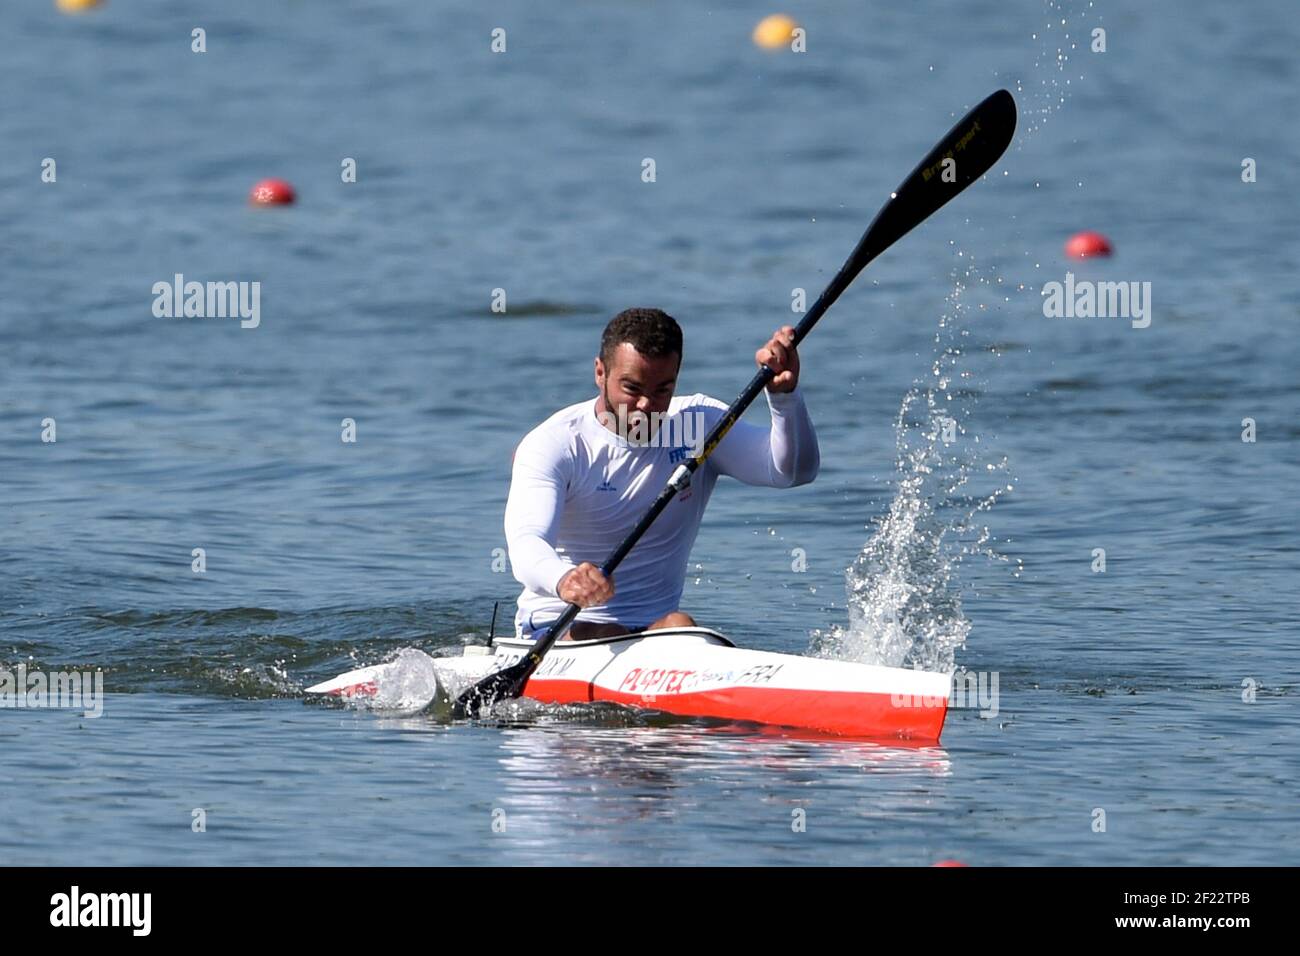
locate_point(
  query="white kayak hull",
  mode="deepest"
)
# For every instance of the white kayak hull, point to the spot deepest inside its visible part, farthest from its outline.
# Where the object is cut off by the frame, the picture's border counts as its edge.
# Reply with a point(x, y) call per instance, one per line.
point(690, 671)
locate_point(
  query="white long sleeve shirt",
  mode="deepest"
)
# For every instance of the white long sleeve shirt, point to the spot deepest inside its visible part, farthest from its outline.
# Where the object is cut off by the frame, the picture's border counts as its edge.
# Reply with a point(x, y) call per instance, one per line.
point(578, 488)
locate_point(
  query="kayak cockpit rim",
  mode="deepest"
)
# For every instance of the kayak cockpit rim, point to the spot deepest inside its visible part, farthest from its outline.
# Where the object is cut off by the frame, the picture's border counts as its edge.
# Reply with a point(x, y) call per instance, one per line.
point(713, 636)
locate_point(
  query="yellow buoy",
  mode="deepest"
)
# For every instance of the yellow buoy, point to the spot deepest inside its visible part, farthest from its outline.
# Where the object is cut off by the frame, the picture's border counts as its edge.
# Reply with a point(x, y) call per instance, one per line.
point(76, 6)
point(774, 31)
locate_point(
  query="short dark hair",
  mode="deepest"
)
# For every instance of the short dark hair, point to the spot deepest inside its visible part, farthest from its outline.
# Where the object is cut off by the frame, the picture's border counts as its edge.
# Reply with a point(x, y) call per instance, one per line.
point(652, 332)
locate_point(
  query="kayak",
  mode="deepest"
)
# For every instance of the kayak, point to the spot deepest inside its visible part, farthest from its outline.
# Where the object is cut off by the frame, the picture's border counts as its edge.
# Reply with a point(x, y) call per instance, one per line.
point(688, 671)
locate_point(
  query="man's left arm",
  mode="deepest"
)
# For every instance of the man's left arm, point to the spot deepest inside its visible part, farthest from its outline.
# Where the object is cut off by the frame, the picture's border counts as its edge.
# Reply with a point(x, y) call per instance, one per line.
point(780, 457)
point(786, 454)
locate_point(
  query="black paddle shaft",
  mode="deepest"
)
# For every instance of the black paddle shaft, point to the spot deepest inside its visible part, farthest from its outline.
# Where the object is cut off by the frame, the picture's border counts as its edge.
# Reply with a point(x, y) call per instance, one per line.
point(964, 154)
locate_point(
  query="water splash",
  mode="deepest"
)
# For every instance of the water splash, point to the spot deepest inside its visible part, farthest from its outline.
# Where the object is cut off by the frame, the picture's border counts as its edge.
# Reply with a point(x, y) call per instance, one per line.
point(1065, 36)
point(256, 681)
point(405, 685)
point(904, 597)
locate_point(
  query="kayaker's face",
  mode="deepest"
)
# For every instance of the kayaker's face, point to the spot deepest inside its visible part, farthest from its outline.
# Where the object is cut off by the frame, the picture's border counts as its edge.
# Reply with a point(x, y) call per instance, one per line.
point(635, 387)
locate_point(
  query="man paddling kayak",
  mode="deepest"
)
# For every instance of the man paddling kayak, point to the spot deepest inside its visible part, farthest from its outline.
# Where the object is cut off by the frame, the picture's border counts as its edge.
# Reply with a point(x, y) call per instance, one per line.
point(583, 478)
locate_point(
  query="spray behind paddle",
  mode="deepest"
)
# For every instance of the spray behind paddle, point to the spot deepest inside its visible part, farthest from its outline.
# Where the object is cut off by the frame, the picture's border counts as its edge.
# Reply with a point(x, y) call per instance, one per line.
point(904, 593)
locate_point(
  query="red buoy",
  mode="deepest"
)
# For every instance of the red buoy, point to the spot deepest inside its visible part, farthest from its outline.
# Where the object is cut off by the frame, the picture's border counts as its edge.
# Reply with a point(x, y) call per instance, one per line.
point(948, 863)
point(272, 192)
point(1084, 245)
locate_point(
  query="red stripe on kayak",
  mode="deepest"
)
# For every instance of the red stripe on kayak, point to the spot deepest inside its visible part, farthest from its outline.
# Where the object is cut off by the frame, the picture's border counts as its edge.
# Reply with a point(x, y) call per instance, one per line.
point(850, 713)
point(368, 689)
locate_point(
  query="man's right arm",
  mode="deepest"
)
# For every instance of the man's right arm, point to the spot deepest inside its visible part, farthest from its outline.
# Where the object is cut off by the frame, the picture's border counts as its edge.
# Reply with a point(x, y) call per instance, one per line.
point(538, 485)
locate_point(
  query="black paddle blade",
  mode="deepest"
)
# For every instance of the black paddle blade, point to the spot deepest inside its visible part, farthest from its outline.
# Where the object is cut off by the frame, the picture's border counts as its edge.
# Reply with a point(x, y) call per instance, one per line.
point(505, 684)
point(977, 142)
